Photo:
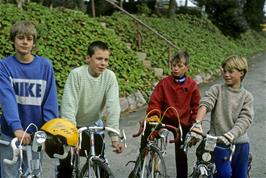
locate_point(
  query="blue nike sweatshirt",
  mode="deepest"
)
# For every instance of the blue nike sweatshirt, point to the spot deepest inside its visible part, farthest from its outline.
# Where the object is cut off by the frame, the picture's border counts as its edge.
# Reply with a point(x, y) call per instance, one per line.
point(27, 94)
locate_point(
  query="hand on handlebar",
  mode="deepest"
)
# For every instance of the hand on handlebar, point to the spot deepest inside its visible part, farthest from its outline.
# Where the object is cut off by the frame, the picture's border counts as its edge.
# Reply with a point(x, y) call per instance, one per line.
point(24, 136)
point(197, 128)
point(118, 146)
point(142, 125)
point(227, 138)
point(196, 133)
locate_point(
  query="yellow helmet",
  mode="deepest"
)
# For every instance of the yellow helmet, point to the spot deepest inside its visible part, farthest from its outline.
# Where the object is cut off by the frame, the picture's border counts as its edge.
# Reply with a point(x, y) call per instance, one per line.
point(63, 128)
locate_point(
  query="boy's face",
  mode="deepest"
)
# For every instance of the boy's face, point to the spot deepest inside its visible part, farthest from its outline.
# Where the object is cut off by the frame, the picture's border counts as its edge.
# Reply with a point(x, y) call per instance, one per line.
point(23, 44)
point(232, 77)
point(98, 62)
point(179, 68)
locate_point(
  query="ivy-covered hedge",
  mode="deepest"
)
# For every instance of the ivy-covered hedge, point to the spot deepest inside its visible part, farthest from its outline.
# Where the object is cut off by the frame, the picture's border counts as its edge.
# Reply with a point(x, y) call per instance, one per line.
point(205, 43)
point(64, 35)
point(63, 38)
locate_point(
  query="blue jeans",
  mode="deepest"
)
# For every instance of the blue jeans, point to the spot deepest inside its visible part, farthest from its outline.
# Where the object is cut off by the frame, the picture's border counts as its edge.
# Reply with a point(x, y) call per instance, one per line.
point(237, 168)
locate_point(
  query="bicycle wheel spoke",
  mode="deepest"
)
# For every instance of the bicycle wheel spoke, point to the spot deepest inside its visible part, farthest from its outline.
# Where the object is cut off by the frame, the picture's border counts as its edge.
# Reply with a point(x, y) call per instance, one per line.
point(98, 169)
point(153, 164)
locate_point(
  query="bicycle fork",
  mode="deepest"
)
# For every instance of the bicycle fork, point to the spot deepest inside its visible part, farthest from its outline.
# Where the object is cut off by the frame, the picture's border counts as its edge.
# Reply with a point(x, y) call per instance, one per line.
point(34, 169)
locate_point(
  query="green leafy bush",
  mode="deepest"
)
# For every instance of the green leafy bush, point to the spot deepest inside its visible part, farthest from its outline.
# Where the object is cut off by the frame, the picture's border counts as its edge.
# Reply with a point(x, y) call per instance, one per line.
point(204, 41)
point(64, 35)
point(63, 38)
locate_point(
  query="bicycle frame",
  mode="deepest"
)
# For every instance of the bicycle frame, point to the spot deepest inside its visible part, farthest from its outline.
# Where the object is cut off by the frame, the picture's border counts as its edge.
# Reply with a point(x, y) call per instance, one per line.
point(150, 161)
point(34, 165)
point(159, 137)
point(205, 165)
point(33, 153)
point(91, 157)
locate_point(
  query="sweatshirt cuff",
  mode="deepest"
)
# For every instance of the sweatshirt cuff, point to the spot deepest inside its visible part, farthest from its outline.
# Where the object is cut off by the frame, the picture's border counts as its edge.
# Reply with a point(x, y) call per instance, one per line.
point(16, 126)
point(235, 133)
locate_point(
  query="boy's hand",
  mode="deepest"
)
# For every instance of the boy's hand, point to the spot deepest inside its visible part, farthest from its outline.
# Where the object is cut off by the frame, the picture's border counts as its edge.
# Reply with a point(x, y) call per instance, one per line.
point(197, 128)
point(118, 146)
point(227, 138)
point(26, 139)
point(196, 133)
point(195, 138)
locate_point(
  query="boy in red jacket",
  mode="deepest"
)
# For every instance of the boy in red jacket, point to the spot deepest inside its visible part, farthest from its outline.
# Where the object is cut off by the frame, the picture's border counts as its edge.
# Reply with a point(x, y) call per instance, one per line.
point(180, 92)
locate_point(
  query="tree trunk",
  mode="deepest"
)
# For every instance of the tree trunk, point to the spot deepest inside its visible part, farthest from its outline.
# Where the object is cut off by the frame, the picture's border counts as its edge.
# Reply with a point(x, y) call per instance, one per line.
point(172, 8)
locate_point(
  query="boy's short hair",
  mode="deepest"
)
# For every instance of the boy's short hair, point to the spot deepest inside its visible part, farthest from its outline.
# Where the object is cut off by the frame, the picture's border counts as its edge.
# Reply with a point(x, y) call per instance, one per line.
point(23, 27)
point(236, 62)
point(97, 45)
point(180, 55)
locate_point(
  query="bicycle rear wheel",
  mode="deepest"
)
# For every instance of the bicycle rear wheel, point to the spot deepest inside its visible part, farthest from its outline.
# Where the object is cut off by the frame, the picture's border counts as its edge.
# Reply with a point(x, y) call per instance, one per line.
point(150, 164)
point(100, 169)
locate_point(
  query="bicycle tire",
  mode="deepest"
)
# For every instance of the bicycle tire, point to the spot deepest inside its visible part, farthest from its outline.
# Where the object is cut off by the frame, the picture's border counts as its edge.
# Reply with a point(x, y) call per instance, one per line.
point(75, 172)
point(203, 176)
point(152, 164)
point(105, 172)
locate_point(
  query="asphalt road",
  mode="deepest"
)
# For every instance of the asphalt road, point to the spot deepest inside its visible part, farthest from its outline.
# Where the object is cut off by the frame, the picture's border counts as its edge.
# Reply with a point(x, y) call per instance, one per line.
point(255, 82)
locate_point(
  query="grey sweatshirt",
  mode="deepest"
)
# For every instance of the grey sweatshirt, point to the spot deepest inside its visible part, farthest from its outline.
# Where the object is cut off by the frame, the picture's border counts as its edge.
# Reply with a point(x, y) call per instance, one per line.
point(231, 110)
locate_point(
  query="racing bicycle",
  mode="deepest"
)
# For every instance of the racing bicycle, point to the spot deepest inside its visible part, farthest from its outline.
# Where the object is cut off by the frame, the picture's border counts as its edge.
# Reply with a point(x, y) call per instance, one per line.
point(33, 153)
point(95, 166)
point(150, 162)
point(205, 166)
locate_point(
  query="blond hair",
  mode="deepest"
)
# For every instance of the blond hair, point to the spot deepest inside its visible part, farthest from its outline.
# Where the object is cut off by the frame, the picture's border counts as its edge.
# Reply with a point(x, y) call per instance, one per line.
point(236, 62)
point(25, 28)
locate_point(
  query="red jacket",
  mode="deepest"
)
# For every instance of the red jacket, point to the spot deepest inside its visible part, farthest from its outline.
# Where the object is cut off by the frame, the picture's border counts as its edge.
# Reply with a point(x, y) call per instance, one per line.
point(184, 97)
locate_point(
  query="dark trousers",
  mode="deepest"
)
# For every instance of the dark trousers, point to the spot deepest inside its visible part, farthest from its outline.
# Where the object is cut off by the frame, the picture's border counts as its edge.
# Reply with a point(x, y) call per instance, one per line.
point(181, 158)
point(65, 169)
point(180, 155)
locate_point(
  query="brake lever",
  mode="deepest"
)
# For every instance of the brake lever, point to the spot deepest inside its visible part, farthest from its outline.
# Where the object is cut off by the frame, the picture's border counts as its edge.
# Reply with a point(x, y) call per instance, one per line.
point(124, 138)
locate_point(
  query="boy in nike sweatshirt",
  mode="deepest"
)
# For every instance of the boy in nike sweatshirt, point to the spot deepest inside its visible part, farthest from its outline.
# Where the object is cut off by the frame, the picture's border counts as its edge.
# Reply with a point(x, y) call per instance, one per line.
point(27, 92)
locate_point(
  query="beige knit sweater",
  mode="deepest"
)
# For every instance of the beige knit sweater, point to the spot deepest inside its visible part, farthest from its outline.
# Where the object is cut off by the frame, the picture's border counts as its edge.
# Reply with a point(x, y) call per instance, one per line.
point(231, 110)
point(85, 96)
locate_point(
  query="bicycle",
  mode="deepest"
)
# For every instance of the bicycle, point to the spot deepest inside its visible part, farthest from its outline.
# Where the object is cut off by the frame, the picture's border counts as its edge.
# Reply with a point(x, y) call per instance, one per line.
point(150, 162)
point(95, 166)
point(205, 166)
point(56, 130)
point(33, 152)
point(33, 165)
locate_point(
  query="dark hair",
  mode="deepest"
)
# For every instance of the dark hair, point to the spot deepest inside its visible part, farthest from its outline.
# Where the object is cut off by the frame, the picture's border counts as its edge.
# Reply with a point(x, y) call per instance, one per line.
point(180, 55)
point(97, 45)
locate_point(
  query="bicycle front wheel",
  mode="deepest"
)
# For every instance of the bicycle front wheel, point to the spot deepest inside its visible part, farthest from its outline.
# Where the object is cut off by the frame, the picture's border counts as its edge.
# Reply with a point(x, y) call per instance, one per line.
point(197, 174)
point(98, 169)
point(151, 163)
